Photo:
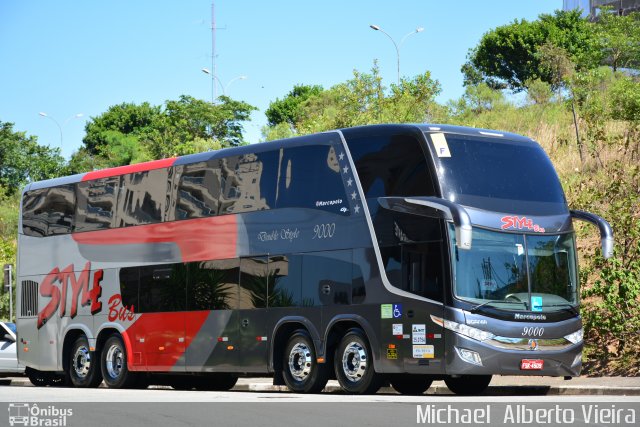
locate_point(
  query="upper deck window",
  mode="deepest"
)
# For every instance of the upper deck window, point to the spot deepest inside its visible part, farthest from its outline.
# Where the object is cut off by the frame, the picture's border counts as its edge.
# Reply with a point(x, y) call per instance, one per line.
point(498, 175)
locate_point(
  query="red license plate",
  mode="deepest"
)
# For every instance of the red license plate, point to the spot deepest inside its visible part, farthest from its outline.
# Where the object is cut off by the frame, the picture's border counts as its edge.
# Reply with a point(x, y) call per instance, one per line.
point(531, 364)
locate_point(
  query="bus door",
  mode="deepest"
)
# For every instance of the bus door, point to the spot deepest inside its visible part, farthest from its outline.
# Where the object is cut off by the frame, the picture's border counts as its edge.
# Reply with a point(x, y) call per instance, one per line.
point(423, 273)
point(162, 300)
point(252, 314)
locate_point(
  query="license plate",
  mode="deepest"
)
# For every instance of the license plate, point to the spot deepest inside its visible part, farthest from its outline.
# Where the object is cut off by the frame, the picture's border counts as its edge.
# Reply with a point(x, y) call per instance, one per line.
point(531, 364)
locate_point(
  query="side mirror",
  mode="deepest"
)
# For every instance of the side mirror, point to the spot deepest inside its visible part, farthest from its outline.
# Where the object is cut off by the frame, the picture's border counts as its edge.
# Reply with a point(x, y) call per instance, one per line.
point(424, 205)
point(8, 337)
point(606, 232)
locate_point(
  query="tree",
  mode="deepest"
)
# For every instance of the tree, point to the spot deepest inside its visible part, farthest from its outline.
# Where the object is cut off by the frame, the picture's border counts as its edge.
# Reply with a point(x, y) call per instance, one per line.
point(506, 57)
point(287, 109)
point(23, 160)
point(130, 133)
point(619, 37)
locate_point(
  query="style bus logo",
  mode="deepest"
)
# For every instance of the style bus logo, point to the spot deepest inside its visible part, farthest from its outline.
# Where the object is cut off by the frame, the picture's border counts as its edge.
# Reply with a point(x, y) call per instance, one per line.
point(32, 415)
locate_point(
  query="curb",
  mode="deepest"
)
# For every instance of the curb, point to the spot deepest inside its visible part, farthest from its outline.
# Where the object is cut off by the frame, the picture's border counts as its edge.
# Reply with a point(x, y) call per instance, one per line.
point(434, 390)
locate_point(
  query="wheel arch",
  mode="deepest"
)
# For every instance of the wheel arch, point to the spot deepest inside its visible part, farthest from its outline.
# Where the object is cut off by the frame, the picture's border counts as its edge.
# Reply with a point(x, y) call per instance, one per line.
point(281, 333)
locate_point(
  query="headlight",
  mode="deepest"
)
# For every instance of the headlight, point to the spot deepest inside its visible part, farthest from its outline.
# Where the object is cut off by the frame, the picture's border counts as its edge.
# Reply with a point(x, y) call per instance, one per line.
point(467, 331)
point(575, 337)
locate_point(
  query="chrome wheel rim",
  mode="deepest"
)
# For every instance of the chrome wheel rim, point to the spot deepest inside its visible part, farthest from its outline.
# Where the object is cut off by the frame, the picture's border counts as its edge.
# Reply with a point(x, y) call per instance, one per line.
point(82, 361)
point(354, 361)
point(300, 361)
point(114, 361)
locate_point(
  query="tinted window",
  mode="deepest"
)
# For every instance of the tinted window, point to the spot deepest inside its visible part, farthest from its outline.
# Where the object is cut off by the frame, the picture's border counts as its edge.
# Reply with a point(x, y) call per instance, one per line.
point(285, 281)
point(391, 166)
point(327, 278)
point(143, 197)
point(129, 284)
point(96, 203)
point(311, 177)
point(163, 288)
point(48, 211)
point(249, 182)
point(198, 190)
point(213, 285)
point(500, 175)
point(254, 279)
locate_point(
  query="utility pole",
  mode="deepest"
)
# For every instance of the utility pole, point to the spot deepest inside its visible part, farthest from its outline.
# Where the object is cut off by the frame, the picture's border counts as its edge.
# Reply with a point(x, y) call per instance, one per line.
point(214, 70)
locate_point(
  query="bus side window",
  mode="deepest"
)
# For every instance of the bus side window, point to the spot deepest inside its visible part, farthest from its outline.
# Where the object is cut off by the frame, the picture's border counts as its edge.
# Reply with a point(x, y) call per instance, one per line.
point(249, 182)
point(163, 288)
point(49, 211)
point(285, 281)
point(213, 285)
point(142, 197)
point(129, 286)
point(198, 190)
point(95, 204)
point(254, 279)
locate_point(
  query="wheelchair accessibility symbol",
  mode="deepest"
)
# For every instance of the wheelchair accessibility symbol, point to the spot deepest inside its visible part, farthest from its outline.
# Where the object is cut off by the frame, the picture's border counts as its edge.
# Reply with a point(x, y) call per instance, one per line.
point(397, 311)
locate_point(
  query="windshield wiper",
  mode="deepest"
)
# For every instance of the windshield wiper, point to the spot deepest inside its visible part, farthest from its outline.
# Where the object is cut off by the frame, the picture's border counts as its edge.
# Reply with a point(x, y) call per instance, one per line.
point(565, 306)
point(502, 301)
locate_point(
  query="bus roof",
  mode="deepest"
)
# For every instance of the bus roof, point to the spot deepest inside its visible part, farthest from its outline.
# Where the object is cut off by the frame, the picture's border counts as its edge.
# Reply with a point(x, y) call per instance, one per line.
point(266, 146)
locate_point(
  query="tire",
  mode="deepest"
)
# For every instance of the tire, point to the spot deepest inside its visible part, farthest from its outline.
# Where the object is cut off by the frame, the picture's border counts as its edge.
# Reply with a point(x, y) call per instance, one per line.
point(216, 382)
point(84, 366)
point(353, 364)
point(468, 385)
point(300, 368)
point(182, 383)
point(113, 362)
point(413, 385)
point(37, 378)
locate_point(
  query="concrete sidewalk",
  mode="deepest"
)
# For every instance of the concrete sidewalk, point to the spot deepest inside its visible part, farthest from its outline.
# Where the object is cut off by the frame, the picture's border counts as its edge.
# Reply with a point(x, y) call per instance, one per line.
point(500, 386)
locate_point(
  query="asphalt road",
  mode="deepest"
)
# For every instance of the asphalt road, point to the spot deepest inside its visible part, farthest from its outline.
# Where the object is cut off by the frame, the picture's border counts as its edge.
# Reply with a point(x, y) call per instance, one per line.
point(160, 406)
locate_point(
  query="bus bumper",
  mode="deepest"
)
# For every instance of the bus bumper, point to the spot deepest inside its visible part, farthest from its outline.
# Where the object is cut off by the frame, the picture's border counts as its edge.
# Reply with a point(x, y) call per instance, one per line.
point(470, 357)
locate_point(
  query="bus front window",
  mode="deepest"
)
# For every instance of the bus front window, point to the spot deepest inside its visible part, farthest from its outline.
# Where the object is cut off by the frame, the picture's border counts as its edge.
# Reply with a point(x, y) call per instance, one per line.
point(517, 272)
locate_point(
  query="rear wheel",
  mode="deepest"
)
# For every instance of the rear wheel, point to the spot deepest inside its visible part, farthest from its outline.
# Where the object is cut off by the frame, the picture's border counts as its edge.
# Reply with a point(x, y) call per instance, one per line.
point(84, 369)
point(410, 384)
point(354, 364)
point(300, 368)
point(468, 385)
point(113, 360)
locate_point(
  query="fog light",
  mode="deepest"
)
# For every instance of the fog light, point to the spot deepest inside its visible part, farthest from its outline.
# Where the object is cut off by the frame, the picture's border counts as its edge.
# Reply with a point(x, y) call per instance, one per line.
point(469, 356)
point(577, 360)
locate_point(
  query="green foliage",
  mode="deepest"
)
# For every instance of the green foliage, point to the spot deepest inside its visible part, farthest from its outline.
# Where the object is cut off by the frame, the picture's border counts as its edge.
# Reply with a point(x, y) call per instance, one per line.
point(22, 160)
point(538, 91)
point(130, 133)
point(619, 38)
point(287, 110)
point(476, 100)
point(507, 56)
point(624, 100)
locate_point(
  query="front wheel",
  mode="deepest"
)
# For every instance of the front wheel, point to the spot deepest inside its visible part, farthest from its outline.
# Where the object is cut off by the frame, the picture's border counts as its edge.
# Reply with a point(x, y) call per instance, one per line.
point(84, 370)
point(467, 385)
point(353, 363)
point(115, 372)
point(410, 384)
point(301, 371)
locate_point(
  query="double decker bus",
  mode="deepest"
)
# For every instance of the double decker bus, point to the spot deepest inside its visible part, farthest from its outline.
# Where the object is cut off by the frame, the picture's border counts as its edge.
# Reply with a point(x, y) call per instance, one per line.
point(387, 254)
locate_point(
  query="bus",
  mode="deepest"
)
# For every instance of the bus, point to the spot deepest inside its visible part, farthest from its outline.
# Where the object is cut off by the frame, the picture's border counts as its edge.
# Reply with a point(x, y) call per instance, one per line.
point(375, 255)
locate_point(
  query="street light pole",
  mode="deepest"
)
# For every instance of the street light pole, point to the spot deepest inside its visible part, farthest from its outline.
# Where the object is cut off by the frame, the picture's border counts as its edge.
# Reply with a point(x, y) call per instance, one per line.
point(223, 86)
point(75, 116)
point(416, 31)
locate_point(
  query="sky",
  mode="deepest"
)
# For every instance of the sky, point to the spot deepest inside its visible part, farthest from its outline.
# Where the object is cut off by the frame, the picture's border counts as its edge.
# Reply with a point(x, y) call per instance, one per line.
point(65, 58)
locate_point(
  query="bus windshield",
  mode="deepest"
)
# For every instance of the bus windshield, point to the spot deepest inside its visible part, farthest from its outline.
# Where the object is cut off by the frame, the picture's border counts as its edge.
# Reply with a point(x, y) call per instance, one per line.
point(517, 272)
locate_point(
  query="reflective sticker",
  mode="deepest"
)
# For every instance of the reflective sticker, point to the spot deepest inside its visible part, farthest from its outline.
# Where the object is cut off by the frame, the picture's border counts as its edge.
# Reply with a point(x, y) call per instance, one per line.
point(536, 303)
point(423, 351)
point(406, 336)
point(386, 311)
point(418, 334)
point(397, 329)
point(440, 144)
point(392, 353)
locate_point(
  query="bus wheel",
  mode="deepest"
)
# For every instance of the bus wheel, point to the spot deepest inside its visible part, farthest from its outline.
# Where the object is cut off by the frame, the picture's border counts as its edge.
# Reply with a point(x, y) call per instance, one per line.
point(84, 370)
point(354, 364)
point(37, 378)
point(114, 364)
point(410, 384)
point(300, 368)
point(216, 382)
point(468, 385)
